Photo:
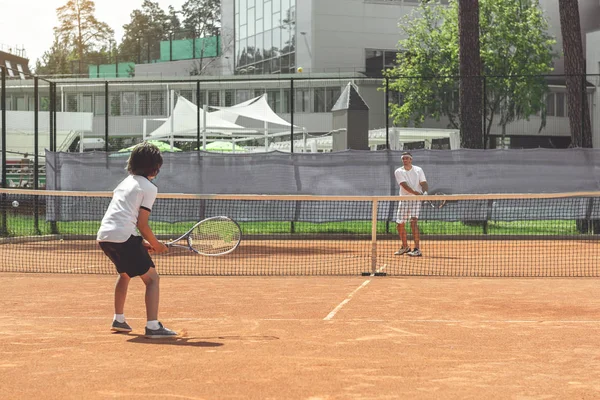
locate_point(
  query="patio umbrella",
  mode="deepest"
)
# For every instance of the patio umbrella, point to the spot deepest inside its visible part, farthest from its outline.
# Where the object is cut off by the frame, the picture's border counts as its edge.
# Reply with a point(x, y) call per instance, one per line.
point(224, 147)
point(162, 146)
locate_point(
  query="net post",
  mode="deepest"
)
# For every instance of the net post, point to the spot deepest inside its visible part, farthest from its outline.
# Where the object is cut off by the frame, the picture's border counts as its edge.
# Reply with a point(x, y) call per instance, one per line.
point(374, 237)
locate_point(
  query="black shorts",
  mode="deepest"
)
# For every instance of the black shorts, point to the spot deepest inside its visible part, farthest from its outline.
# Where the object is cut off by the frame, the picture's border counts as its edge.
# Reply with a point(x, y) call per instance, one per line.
point(130, 257)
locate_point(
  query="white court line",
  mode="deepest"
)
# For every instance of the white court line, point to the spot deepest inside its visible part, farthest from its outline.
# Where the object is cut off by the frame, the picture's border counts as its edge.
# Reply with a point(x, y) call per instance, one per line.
point(343, 303)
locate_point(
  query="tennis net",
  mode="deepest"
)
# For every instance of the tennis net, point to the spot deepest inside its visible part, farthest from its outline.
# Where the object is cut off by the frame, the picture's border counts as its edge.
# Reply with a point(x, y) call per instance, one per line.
point(507, 235)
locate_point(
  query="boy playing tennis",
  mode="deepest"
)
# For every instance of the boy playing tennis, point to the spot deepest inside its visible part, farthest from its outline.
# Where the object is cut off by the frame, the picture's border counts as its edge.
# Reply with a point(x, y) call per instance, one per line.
point(129, 209)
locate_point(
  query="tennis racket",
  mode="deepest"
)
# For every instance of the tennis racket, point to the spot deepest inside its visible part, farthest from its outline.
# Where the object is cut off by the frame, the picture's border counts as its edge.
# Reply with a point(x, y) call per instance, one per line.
point(436, 203)
point(215, 236)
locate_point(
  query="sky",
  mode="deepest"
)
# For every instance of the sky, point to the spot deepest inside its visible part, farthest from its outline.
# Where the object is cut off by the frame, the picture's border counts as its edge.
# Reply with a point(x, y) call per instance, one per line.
point(30, 23)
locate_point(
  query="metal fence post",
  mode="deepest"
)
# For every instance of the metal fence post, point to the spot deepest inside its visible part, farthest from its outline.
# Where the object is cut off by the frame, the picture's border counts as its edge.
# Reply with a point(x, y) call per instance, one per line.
point(292, 115)
point(483, 113)
point(106, 112)
point(387, 113)
point(3, 105)
point(198, 116)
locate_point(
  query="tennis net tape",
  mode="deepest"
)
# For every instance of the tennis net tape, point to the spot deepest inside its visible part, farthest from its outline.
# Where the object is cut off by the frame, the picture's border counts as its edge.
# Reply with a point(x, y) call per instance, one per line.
point(504, 235)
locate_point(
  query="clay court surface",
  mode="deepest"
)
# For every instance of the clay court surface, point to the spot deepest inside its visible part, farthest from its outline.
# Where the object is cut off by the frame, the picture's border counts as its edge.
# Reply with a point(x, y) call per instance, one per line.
point(303, 338)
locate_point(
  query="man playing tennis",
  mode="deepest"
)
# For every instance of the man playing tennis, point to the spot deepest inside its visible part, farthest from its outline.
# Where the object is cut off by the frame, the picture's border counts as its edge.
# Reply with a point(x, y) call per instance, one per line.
point(412, 182)
point(129, 209)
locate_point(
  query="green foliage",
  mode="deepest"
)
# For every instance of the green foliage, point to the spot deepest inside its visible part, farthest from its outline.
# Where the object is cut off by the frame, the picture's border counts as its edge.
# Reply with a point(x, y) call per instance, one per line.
point(515, 50)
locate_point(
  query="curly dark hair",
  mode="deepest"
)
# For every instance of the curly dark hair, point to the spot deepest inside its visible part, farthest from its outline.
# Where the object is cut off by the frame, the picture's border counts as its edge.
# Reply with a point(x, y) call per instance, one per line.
point(145, 160)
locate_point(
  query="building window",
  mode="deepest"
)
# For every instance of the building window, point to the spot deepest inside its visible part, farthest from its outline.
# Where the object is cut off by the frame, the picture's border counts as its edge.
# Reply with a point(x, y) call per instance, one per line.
point(302, 100)
point(214, 98)
point(99, 105)
point(128, 103)
point(9, 66)
point(72, 103)
point(550, 109)
point(157, 103)
point(560, 104)
point(143, 103)
point(20, 69)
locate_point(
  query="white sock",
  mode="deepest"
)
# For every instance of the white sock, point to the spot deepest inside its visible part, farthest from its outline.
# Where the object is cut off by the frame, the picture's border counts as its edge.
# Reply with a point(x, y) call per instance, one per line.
point(152, 325)
point(120, 318)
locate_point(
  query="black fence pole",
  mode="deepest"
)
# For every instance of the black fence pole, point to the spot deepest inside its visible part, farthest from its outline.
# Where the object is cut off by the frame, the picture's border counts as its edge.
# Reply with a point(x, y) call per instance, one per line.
point(170, 46)
point(55, 119)
point(483, 113)
point(3, 105)
point(583, 93)
point(50, 116)
point(106, 112)
point(292, 115)
point(36, 157)
point(387, 113)
point(4, 226)
point(198, 115)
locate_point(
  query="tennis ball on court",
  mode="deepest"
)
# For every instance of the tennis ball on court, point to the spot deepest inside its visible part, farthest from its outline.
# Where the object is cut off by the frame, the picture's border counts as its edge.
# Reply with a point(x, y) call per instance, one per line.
point(15, 203)
point(300, 69)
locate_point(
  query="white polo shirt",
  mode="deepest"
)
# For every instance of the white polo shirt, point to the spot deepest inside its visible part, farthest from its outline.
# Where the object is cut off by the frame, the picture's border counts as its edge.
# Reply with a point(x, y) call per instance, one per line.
point(120, 220)
point(412, 177)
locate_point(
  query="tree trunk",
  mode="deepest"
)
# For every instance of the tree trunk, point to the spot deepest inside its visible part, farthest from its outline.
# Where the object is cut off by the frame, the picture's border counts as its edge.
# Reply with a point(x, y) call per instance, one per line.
point(577, 102)
point(470, 89)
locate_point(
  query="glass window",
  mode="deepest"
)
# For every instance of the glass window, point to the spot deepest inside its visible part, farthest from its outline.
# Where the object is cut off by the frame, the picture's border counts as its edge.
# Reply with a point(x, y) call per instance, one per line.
point(86, 104)
point(214, 98)
point(156, 103)
point(332, 95)
point(560, 104)
point(276, 19)
point(319, 100)
point(20, 69)
point(268, 45)
point(302, 100)
point(9, 66)
point(260, 47)
point(242, 95)
point(285, 101)
point(115, 104)
point(22, 104)
point(251, 22)
point(229, 94)
point(71, 103)
point(276, 41)
point(276, 6)
point(274, 100)
point(143, 103)
point(550, 110)
point(99, 104)
point(268, 13)
point(187, 94)
point(260, 25)
point(128, 103)
point(259, 10)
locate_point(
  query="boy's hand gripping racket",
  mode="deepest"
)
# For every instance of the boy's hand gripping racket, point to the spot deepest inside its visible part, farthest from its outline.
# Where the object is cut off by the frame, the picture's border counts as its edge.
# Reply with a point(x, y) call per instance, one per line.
point(213, 236)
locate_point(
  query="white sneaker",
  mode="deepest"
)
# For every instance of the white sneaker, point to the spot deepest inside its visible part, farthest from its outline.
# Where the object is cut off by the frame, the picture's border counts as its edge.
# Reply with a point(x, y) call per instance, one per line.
point(402, 250)
point(415, 253)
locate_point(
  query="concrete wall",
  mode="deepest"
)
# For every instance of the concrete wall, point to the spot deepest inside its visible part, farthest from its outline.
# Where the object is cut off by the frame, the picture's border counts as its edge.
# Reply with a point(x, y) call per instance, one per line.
point(343, 29)
point(593, 67)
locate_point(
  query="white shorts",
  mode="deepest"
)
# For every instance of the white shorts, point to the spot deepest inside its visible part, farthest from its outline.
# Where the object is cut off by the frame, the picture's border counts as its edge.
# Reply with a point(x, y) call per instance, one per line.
point(407, 210)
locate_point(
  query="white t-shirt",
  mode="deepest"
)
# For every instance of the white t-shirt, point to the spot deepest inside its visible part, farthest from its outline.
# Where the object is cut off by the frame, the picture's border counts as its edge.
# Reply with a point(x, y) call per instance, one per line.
point(412, 177)
point(120, 220)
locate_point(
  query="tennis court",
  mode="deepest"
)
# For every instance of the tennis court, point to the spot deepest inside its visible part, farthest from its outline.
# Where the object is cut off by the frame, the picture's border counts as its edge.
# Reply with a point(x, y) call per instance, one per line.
point(303, 338)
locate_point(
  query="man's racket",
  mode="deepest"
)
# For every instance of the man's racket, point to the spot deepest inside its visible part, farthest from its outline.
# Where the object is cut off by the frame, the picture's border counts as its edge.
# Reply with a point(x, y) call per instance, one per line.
point(436, 203)
point(215, 236)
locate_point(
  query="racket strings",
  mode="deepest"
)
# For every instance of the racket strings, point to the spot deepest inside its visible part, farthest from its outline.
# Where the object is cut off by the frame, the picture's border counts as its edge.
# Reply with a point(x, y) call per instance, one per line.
point(215, 236)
